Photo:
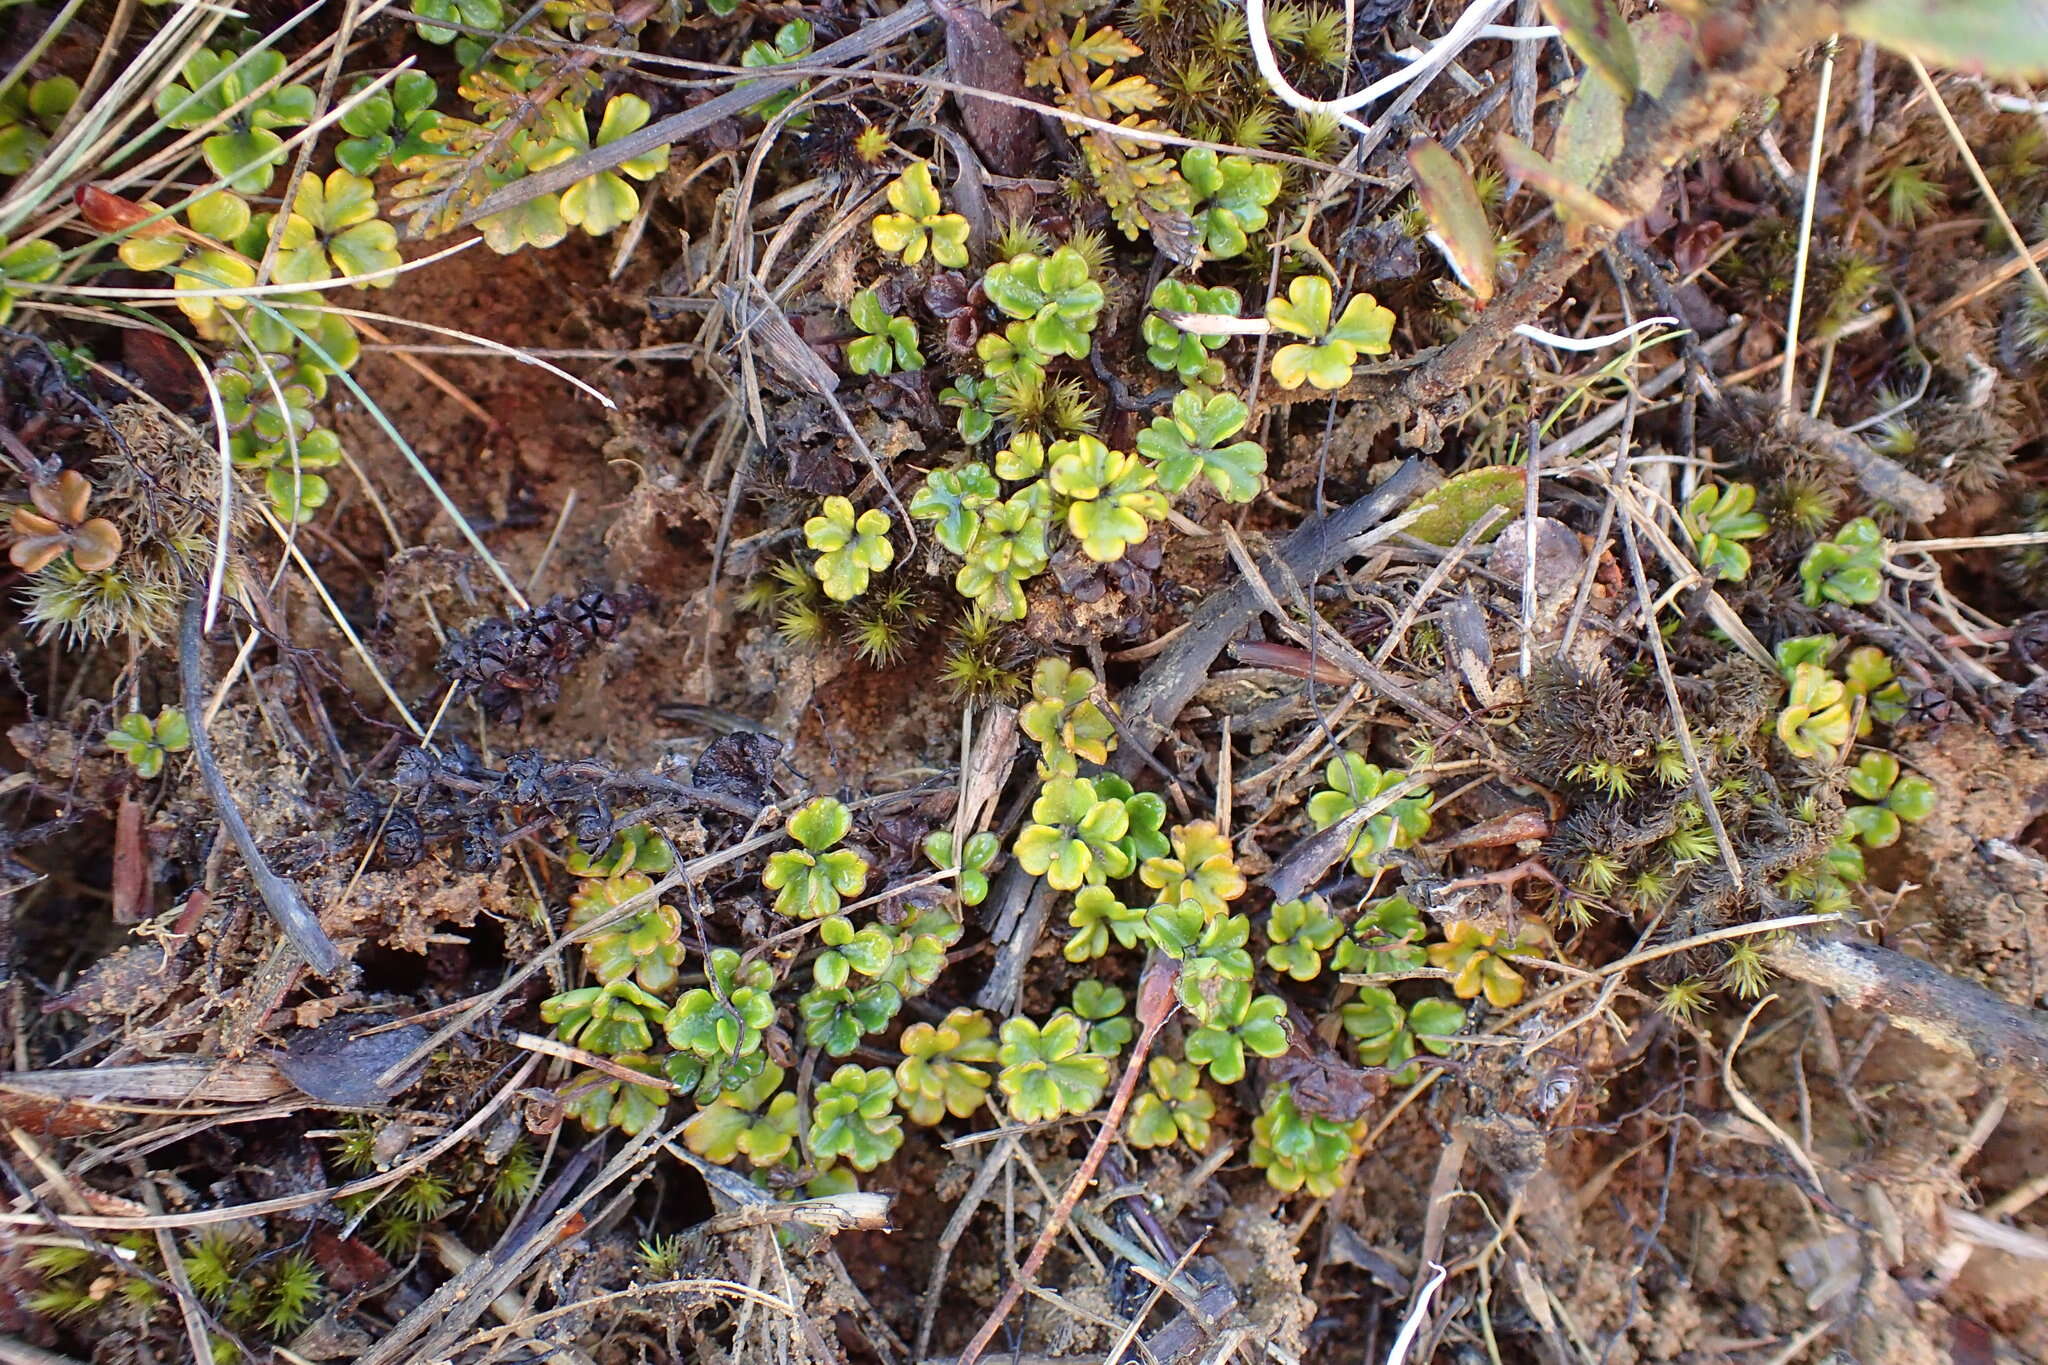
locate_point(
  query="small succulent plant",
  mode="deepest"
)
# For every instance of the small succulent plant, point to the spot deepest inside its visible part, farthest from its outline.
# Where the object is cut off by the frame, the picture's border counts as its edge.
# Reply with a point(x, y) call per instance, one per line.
point(853, 1117)
point(1112, 501)
point(1848, 568)
point(1200, 867)
point(1047, 1073)
point(727, 1016)
point(970, 865)
point(1868, 677)
point(1387, 1034)
point(1719, 519)
point(919, 222)
point(837, 1020)
point(1232, 195)
point(849, 950)
point(1073, 836)
point(1234, 1022)
point(1299, 933)
point(1299, 1150)
point(331, 231)
point(646, 946)
point(1195, 442)
point(888, 342)
point(850, 548)
point(60, 523)
point(758, 1120)
point(811, 882)
point(1815, 718)
point(1386, 937)
point(1478, 962)
point(1097, 917)
point(613, 1019)
point(247, 149)
point(1173, 1107)
point(389, 126)
point(1067, 725)
point(1352, 784)
point(599, 1100)
point(1100, 1007)
point(1894, 798)
point(1008, 549)
point(1325, 358)
point(1052, 296)
point(952, 499)
point(1187, 355)
point(945, 1067)
point(147, 744)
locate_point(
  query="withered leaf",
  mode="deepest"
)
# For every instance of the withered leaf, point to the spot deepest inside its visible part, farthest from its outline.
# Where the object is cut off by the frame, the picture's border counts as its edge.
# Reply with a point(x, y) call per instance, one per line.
point(335, 1065)
point(979, 54)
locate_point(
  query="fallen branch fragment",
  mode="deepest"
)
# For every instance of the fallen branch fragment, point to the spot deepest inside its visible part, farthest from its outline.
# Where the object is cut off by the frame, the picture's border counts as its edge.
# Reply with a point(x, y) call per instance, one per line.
point(1954, 1016)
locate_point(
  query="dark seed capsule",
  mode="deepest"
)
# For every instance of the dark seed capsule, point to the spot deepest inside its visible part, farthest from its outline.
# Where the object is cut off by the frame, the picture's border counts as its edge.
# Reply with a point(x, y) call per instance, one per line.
point(2030, 639)
point(1930, 706)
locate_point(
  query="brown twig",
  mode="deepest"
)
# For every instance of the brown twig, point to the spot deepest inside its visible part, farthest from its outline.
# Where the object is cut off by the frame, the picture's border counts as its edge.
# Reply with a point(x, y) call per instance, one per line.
point(1156, 1002)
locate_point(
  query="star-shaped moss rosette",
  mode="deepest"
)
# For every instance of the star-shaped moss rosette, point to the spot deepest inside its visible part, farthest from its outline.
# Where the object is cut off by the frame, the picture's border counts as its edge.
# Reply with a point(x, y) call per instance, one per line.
point(812, 881)
point(919, 222)
point(1325, 358)
point(851, 548)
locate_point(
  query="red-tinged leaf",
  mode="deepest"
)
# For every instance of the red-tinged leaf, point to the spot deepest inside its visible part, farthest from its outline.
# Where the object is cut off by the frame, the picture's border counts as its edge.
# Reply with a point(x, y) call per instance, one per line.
point(132, 882)
point(1457, 217)
point(2005, 39)
point(104, 212)
point(1596, 31)
point(1575, 203)
point(981, 55)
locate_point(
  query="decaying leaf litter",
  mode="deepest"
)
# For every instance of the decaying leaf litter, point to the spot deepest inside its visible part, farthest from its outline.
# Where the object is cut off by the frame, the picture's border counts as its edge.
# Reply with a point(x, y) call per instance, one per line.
point(1068, 682)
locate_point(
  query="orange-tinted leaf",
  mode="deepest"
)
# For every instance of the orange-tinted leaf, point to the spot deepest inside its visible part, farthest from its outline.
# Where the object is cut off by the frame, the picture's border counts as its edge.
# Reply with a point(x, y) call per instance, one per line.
point(1575, 203)
point(1596, 31)
point(1455, 214)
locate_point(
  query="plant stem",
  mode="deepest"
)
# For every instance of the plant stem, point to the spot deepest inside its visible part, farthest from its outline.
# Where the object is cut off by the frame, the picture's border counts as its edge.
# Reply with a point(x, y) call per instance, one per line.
point(280, 896)
point(1155, 1006)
